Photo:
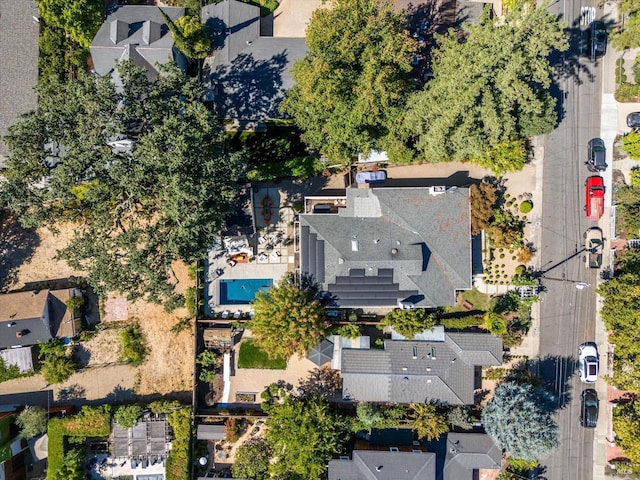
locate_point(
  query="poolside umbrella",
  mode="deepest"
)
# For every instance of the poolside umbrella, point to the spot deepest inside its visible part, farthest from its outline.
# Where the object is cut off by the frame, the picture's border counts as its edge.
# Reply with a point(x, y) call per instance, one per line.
point(321, 353)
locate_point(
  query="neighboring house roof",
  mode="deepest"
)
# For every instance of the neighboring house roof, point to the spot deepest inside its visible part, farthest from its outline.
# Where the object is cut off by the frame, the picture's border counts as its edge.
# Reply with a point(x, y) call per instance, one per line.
point(19, 60)
point(467, 452)
point(250, 73)
point(381, 465)
point(20, 357)
point(38, 315)
point(26, 313)
point(391, 245)
point(419, 371)
point(147, 439)
point(138, 34)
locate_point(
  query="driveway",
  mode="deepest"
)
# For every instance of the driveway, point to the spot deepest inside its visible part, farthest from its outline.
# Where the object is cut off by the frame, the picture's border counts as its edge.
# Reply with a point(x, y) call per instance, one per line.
point(291, 18)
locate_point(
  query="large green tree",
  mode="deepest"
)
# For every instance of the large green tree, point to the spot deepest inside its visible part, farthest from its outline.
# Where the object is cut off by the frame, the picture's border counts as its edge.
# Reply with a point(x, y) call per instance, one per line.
point(518, 418)
point(490, 91)
point(629, 36)
point(135, 210)
point(351, 87)
point(427, 422)
point(80, 19)
point(303, 435)
point(626, 424)
point(252, 459)
point(409, 322)
point(32, 421)
point(288, 319)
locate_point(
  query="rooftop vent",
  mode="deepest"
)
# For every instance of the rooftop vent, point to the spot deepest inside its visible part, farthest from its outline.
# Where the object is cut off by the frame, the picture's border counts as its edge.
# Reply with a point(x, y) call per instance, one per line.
point(415, 352)
point(378, 468)
point(354, 245)
point(404, 369)
point(340, 261)
point(428, 369)
point(394, 251)
point(377, 240)
point(437, 190)
point(433, 353)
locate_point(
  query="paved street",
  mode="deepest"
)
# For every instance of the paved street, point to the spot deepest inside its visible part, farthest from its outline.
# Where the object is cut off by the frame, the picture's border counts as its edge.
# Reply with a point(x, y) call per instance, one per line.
point(568, 312)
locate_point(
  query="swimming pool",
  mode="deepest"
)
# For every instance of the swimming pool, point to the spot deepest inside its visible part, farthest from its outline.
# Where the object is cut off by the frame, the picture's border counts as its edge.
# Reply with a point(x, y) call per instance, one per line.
point(242, 291)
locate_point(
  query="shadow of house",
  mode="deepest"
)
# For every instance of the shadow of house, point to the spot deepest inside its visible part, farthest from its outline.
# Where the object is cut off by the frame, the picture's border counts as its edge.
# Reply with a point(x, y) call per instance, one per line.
point(138, 34)
point(249, 74)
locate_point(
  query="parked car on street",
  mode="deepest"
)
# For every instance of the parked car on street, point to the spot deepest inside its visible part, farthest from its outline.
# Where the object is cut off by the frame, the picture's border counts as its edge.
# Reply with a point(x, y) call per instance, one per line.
point(588, 363)
point(594, 201)
point(633, 120)
point(596, 161)
point(598, 33)
point(371, 176)
point(589, 408)
point(593, 245)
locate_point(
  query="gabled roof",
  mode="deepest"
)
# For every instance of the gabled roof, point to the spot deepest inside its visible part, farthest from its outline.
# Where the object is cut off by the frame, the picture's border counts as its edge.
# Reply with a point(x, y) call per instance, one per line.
point(419, 371)
point(24, 312)
point(249, 72)
point(381, 465)
point(136, 33)
point(467, 452)
point(389, 245)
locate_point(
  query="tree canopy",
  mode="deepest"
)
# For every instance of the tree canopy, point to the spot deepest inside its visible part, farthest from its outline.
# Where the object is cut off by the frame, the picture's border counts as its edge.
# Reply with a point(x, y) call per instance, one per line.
point(630, 36)
point(518, 418)
point(409, 322)
point(626, 424)
point(135, 210)
point(303, 435)
point(80, 19)
point(288, 319)
point(490, 91)
point(427, 422)
point(189, 34)
point(32, 421)
point(369, 416)
point(252, 460)
point(351, 87)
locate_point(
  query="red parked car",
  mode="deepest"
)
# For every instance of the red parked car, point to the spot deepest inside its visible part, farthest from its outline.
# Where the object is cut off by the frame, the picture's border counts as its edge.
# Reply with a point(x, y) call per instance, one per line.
point(594, 202)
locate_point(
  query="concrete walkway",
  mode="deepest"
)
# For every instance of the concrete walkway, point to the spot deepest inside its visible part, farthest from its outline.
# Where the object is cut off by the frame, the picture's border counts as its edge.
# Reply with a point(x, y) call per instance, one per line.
point(291, 18)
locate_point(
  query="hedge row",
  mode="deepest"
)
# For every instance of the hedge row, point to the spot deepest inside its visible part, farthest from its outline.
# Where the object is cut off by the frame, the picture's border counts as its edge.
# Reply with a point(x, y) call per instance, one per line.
point(179, 459)
point(90, 422)
point(462, 322)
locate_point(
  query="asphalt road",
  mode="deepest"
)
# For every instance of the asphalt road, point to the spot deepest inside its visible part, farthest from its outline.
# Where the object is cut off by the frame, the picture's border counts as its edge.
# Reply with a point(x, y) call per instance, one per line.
point(568, 312)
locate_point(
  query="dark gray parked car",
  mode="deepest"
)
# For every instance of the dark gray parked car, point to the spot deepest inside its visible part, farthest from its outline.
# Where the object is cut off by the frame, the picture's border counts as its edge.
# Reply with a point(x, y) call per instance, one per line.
point(596, 160)
point(598, 32)
point(589, 408)
point(633, 120)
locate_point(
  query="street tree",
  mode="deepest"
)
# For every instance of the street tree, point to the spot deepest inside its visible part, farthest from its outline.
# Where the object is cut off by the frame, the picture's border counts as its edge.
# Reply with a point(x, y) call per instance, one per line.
point(351, 87)
point(409, 322)
point(288, 319)
point(303, 436)
point(252, 460)
point(518, 418)
point(427, 422)
point(629, 37)
point(32, 421)
point(490, 90)
point(626, 424)
point(134, 210)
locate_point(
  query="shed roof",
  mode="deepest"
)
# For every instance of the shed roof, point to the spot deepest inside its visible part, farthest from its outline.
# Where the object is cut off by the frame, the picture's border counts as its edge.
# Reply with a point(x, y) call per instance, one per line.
point(211, 432)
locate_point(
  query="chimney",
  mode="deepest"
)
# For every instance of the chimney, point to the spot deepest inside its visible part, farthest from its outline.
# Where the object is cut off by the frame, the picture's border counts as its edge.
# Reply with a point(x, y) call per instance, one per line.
point(378, 468)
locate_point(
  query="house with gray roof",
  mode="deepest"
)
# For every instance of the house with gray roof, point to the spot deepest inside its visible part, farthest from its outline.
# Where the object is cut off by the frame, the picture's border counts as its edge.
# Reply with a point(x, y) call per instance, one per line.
point(139, 34)
point(33, 317)
point(391, 247)
point(384, 465)
point(444, 369)
point(468, 453)
point(249, 70)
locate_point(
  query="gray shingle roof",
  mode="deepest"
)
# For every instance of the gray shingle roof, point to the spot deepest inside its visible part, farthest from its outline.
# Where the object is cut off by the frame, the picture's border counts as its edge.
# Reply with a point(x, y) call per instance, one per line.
point(419, 371)
point(250, 73)
point(382, 465)
point(137, 33)
point(391, 244)
point(19, 60)
point(467, 452)
point(26, 312)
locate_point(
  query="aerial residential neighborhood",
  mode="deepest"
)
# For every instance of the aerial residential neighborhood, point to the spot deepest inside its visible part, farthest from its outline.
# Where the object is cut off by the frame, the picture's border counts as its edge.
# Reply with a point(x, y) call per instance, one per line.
point(306, 239)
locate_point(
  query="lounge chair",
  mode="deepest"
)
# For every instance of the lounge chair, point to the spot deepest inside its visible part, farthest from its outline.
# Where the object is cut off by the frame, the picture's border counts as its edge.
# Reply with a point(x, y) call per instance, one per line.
point(237, 315)
point(225, 314)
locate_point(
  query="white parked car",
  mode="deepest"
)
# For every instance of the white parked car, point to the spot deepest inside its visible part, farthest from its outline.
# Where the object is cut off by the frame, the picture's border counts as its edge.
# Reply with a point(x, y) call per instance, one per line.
point(588, 362)
point(371, 176)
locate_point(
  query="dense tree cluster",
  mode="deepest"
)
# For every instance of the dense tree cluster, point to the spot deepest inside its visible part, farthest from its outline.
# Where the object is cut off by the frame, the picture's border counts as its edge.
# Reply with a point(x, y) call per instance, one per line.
point(135, 210)
point(490, 91)
point(80, 19)
point(351, 87)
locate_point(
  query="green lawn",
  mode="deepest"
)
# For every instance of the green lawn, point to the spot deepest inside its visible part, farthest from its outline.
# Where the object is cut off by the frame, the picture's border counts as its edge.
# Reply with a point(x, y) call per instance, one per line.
point(479, 300)
point(251, 356)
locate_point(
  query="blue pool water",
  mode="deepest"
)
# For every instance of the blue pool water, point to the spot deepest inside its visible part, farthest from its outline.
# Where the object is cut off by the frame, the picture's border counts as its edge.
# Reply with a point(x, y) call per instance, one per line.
point(242, 291)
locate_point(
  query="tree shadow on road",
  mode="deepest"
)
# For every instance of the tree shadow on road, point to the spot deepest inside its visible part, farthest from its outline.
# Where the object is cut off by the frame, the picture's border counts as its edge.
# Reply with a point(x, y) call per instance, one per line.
point(17, 246)
point(554, 373)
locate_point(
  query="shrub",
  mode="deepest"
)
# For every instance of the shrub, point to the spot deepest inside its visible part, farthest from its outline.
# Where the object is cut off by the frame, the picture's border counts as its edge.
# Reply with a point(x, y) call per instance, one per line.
point(350, 330)
point(232, 430)
point(8, 372)
point(462, 322)
point(525, 255)
point(627, 92)
point(207, 375)
point(526, 206)
point(207, 358)
point(634, 177)
point(134, 349)
point(190, 300)
point(74, 303)
point(58, 369)
point(32, 421)
point(495, 323)
point(128, 415)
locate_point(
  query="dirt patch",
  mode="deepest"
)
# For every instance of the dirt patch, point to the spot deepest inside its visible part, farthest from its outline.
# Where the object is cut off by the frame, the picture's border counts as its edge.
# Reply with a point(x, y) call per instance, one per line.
point(115, 310)
point(103, 348)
